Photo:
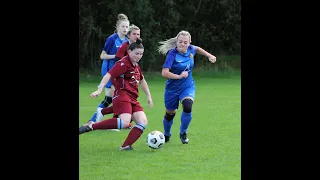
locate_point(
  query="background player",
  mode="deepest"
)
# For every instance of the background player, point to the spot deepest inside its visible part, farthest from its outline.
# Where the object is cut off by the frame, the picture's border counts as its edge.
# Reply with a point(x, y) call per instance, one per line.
point(110, 48)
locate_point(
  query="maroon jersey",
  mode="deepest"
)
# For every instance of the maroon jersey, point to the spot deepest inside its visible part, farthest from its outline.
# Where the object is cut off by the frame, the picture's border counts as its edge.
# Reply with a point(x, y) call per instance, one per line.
point(125, 76)
point(122, 50)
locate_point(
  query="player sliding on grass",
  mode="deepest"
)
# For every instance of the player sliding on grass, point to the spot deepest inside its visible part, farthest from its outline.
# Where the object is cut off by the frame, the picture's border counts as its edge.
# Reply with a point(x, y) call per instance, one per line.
point(125, 76)
point(180, 84)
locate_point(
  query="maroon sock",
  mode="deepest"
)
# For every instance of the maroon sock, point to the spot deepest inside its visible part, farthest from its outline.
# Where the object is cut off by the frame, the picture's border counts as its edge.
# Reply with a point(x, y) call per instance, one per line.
point(106, 124)
point(107, 110)
point(134, 135)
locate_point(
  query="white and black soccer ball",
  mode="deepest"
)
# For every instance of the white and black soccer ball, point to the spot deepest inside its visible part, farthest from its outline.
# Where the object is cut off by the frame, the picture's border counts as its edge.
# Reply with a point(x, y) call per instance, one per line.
point(155, 139)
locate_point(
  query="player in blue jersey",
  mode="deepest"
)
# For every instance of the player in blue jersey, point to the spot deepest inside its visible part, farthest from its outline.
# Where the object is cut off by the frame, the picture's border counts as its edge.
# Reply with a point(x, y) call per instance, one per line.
point(180, 85)
point(108, 56)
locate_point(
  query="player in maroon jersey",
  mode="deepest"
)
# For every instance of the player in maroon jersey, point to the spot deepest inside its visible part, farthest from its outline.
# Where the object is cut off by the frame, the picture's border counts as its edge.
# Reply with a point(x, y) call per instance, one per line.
point(133, 35)
point(125, 76)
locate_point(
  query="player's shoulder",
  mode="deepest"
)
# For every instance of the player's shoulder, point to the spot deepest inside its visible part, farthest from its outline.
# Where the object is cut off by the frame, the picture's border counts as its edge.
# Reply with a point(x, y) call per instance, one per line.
point(123, 61)
point(172, 52)
point(113, 36)
point(192, 47)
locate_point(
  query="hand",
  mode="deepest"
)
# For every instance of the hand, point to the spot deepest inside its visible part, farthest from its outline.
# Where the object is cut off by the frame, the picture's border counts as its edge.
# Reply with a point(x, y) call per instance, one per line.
point(184, 74)
point(212, 59)
point(95, 93)
point(150, 102)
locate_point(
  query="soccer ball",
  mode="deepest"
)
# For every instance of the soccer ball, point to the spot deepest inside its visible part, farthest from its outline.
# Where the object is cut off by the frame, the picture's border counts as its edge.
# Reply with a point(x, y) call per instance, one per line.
point(155, 139)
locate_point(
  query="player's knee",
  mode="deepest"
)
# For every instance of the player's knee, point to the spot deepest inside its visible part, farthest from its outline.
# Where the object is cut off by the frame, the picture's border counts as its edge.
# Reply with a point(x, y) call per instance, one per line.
point(187, 105)
point(140, 117)
point(126, 124)
point(142, 121)
point(170, 116)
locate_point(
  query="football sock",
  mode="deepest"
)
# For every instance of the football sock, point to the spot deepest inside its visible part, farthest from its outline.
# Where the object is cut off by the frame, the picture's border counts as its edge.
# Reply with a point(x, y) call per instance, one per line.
point(167, 126)
point(134, 134)
point(113, 123)
point(185, 121)
point(107, 110)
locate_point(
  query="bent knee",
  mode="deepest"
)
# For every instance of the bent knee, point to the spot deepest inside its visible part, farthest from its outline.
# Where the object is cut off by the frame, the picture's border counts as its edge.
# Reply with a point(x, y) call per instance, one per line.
point(140, 117)
point(143, 121)
point(187, 105)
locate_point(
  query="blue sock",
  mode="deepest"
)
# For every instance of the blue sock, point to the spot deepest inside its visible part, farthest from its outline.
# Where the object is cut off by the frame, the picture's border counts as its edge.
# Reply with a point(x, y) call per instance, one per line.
point(185, 121)
point(105, 103)
point(167, 126)
point(94, 116)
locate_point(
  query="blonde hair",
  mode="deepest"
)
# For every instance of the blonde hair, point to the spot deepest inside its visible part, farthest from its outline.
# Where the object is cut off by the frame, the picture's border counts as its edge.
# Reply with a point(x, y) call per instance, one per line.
point(133, 27)
point(121, 17)
point(171, 43)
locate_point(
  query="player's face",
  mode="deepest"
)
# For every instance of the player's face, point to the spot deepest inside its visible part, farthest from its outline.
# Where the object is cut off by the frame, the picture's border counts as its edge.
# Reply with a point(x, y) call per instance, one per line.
point(136, 54)
point(123, 27)
point(183, 43)
point(134, 35)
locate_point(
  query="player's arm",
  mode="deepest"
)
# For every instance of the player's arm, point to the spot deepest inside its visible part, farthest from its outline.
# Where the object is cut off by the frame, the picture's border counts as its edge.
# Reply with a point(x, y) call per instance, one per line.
point(103, 82)
point(107, 48)
point(166, 68)
point(144, 86)
point(167, 74)
point(203, 52)
point(114, 72)
point(104, 55)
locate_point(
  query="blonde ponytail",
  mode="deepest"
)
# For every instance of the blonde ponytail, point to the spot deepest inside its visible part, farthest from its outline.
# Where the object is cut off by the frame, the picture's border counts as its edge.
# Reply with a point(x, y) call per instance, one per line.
point(171, 43)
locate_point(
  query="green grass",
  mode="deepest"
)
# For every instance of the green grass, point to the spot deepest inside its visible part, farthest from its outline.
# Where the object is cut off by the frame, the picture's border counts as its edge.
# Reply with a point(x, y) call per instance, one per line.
point(213, 151)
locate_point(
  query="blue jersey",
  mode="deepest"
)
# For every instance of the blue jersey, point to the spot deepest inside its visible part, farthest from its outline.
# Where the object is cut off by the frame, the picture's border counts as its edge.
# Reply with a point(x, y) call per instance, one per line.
point(110, 47)
point(177, 62)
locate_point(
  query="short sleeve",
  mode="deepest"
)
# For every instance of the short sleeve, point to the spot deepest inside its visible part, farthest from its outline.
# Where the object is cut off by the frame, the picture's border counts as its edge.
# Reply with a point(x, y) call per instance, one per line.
point(169, 59)
point(109, 44)
point(193, 49)
point(118, 69)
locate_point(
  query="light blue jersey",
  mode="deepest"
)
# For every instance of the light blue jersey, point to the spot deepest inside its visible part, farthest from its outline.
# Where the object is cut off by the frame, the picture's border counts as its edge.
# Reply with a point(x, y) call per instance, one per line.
point(177, 89)
point(110, 47)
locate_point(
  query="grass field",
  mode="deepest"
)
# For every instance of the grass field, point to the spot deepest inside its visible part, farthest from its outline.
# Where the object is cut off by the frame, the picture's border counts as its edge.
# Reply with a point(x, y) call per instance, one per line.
point(213, 151)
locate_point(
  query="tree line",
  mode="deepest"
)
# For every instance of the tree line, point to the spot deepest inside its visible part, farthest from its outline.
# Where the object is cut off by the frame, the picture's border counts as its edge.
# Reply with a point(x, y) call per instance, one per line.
point(215, 25)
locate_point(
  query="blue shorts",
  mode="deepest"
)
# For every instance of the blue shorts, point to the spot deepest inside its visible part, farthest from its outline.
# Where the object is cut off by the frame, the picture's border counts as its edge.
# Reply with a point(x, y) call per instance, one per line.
point(172, 98)
point(106, 66)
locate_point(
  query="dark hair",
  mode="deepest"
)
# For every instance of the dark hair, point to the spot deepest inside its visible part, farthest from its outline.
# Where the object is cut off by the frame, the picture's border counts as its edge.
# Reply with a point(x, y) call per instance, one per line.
point(136, 44)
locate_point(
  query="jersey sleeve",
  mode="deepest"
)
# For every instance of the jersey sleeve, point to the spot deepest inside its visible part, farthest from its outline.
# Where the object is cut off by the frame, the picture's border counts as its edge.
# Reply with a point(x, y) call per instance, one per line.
point(193, 49)
point(118, 69)
point(169, 60)
point(109, 44)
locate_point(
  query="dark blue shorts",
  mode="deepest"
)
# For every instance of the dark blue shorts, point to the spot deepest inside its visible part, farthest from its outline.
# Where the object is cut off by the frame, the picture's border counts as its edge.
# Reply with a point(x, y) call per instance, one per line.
point(172, 98)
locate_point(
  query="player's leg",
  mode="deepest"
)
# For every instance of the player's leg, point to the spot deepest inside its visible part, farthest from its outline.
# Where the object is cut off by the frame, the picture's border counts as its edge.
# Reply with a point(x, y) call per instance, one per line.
point(113, 123)
point(141, 122)
point(187, 99)
point(171, 101)
point(109, 110)
point(97, 116)
point(122, 110)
